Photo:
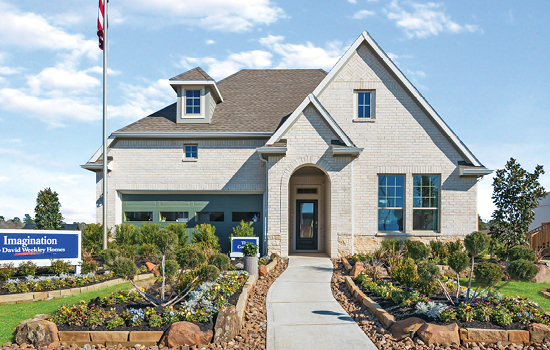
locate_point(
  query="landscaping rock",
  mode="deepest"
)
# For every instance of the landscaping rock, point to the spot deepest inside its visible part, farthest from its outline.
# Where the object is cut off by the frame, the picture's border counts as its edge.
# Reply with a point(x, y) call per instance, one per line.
point(186, 333)
point(543, 275)
point(36, 332)
point(227, 325)
point(487, 335)
point(518, 336)
point(401, 329)
point(357, 269)
point(150, 266)
point(538, 332)
point(262, 270)
point(438, 334)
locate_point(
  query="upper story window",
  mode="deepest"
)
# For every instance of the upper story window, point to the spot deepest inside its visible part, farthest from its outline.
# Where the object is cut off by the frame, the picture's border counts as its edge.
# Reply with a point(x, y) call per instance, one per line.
point(192, 101)
point(365, 105)
point(426, 202)
point(191, 151)
point(390, 202)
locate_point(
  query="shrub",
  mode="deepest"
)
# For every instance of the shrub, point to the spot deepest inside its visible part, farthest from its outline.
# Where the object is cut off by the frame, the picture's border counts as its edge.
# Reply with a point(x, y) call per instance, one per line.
point(249, 249)
point(439, 250)
point(495, 248)
point(149, 251)
point(244, 229)
point(190, 257)
point(88, 266)
point(428, 271)
point(166, 241)
point(108, 256)
point(125, 268)
point(521, 252)
point(171, 268)
point(392, 245)
point(221, 261)
point(27, 269)
point(487, 274)
point(92, 237)
point(427, 288)
point(455, 246)
point(458, 261)
point(417, 250)
point(522, 270)
point(204, 234)
point(7, 271)
point(476, 243)
point(58, 267)
point(208, 273)
point(405, 273)
point(180, 229)
point(148, 233)
point(126, 238)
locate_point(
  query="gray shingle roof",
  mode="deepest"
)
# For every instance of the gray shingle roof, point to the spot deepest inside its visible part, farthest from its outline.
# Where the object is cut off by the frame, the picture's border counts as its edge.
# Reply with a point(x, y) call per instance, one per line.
point(193, 74)
point(254, 101)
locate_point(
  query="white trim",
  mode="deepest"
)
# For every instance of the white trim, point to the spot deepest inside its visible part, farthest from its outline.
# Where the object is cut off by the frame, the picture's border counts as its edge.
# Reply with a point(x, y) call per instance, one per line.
point(372, 117)
point(176, 83)
point(464, 171)
point(310, 99)
point(99, 152)
point(202, 104)
point(191, 135)
point(351, 151)
point(365, 37)
point(97, 166)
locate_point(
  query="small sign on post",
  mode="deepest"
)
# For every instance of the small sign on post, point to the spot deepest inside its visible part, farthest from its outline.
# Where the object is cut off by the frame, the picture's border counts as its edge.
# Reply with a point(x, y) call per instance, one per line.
point(237, 244)
point(40, 247)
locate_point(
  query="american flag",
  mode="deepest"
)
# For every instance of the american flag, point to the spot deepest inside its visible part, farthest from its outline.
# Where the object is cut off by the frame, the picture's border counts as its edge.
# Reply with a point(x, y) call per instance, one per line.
point(100, 24)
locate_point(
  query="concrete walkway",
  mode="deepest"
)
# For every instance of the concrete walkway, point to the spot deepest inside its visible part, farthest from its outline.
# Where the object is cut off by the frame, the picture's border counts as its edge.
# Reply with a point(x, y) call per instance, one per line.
point(303, 314)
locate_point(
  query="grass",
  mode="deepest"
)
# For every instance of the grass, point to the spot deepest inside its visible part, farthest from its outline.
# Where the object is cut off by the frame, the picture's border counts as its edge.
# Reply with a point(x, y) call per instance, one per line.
point(523, 289)
point(13, 314)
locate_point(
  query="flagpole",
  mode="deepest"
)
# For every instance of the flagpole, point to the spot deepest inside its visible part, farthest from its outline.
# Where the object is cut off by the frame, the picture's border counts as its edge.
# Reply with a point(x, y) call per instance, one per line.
point(105, 157)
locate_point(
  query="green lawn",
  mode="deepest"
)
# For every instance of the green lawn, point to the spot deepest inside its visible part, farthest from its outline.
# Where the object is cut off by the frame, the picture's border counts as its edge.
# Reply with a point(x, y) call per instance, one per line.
point(523, 289)
point(13, 314)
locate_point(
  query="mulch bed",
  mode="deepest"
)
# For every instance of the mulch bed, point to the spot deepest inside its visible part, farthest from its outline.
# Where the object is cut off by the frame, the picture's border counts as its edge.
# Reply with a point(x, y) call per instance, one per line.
point(401, 313)
point(5, 291)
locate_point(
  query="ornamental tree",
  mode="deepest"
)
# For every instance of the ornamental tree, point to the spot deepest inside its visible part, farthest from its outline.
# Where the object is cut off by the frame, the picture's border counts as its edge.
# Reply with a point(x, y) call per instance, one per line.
point(516, 193)
point(47, 214)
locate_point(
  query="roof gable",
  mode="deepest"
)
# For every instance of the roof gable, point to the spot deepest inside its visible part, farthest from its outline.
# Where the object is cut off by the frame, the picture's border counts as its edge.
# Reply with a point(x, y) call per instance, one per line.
point(193, 74)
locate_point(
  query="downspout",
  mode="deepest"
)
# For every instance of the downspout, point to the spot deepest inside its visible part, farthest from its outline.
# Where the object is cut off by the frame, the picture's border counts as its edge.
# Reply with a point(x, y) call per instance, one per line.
point(265, 203)
point(352, 211)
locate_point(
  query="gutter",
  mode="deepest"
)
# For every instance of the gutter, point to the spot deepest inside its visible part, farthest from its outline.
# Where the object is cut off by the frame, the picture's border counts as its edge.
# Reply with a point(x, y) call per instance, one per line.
point(473, 171)
point(265, 201)
point(190, 135)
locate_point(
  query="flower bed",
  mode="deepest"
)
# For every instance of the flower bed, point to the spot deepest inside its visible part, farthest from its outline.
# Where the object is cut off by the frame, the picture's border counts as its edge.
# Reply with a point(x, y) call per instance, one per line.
point(496, 312)
point(48, 283)
point(128, 311)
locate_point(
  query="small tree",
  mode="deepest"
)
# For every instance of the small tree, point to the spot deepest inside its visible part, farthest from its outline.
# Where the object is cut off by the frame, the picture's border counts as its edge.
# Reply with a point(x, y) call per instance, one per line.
point(47, 214)
point(516, 193)
point(16, 220)
point(458, 261)
point(205, 236)
point(487, 275)
point(28, 219)
point(475, 243)
point(244, 229)
point(92, 238)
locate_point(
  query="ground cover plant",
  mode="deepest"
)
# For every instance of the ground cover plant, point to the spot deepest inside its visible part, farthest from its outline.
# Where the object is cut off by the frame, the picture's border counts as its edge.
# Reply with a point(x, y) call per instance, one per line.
point(47, 283)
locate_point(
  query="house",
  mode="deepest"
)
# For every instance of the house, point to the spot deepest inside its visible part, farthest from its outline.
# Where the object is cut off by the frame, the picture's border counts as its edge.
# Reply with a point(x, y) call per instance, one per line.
point(542, 213)
point(320, 162)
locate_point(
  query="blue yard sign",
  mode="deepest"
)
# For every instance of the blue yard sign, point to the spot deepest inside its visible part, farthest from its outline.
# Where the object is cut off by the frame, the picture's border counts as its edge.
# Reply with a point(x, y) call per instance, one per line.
point(237, 244)
point(39, 246)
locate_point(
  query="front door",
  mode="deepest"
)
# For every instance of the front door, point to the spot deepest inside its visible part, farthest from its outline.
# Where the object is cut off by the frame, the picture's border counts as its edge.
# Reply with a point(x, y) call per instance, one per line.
point(306, 225)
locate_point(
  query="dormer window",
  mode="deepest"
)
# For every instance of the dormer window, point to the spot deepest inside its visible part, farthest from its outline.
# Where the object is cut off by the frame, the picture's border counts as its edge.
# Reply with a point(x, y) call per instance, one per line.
point(192, 102)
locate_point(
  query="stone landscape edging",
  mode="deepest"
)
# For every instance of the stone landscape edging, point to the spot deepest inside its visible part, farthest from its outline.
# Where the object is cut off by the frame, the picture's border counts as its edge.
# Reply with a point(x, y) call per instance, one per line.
point(467, 335)
point(18, 298)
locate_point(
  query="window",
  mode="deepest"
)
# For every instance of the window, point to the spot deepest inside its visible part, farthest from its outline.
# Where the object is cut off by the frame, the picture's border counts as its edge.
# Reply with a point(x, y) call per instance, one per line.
point(174, 216)
point(238, 216)
point(191, 151)
point(192, 102)
point(365, 103)
point(390, 202)
point(138, 216)
point(426, 202)
point(307, 191)
point(210, 216)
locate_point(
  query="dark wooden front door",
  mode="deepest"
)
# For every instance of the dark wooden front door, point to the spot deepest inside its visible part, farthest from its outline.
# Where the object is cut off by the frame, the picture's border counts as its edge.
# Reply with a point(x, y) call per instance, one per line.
point(306, 225)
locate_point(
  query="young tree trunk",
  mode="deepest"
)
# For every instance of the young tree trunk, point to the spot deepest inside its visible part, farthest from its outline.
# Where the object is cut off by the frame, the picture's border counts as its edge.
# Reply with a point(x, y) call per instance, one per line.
point(163, 280)
point(470, 281)
point(457, 287)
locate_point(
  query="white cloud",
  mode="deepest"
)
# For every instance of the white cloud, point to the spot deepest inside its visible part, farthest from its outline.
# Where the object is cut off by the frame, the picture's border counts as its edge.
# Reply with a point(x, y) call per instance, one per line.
point(423, 20)
point(393, 56)
point(4, 178)
point(143, 100)
point(363, 14)
point(256, 59)
point(10, 70)
point(303, 55)
point(210, 42)
point(234, 16)
point(417, 74)
point(352, 1)
point(30, 31)
point(62, 78)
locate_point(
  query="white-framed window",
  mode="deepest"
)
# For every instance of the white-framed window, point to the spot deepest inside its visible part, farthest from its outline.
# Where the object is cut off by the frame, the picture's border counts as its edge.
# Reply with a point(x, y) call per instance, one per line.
point(191, 152)
point(426, 189)
point(193, 102)
point(364, 105)
point(390, 202)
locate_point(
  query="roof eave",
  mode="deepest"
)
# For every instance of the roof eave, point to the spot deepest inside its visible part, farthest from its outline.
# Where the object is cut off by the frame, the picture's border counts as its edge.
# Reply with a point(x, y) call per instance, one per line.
point(346, 151)
point(190, 135)
point(473, 171)
point(265, 152)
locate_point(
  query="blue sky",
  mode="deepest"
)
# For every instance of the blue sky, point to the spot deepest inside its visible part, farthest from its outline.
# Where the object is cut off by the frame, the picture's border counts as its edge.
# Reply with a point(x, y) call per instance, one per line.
point(483, 65)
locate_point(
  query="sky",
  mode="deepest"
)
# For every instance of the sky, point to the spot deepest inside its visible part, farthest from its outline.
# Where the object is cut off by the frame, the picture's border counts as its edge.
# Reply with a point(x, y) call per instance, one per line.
point(483, 66)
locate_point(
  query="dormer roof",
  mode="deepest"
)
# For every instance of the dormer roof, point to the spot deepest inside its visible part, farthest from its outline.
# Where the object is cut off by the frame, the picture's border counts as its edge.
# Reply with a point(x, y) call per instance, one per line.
point(196, 74)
